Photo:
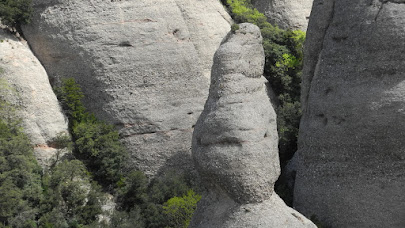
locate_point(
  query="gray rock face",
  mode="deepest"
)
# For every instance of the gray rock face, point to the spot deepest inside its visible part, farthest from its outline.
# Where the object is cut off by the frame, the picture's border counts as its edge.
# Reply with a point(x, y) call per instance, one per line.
point(235, 142)
point(35, 102)
point(143, 65)
point(287, 14)
point(351, 148)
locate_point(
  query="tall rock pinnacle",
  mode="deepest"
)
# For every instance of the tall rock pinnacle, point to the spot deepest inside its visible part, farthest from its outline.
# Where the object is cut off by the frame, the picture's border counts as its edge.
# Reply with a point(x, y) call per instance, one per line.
point(351, 143)
point(235, 142)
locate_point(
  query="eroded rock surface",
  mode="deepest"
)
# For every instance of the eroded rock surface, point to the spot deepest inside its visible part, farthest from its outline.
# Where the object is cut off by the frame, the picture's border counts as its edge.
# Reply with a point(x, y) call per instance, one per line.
point(351, 142)
point(235, 142)
point(287, 14)
point(144, 65)
point(32, 95)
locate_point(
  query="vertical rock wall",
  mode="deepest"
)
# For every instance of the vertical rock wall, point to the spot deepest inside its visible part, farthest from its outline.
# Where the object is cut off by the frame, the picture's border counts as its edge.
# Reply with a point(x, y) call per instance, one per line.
point(351, 142)
point(32, 95)
point(287, 14)
point(235, 142)
point(143, 65)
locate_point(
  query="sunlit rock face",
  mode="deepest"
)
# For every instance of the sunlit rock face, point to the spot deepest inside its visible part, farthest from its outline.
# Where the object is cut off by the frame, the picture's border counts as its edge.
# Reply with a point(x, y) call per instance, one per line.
point(235, 142)
point(351, 148)
point(24, 84)
point(144, 65)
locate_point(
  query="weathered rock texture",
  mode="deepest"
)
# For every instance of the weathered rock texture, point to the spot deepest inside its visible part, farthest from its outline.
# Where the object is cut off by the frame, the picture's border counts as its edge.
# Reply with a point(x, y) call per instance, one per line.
point(143, 65)
point(287, 14)
point(235, 142)
point(351, 140)
point(31, 93)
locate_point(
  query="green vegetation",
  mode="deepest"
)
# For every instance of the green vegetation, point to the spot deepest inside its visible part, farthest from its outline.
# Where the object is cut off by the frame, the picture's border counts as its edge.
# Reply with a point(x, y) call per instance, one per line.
point(20, 178)
point(20, 175)
point(70, 198)
point(143, 203)
point(283, 65)
point(66, 195)
point(180, 209)
point(139, 202)
point(63, 196)
point(96, 143)
point(15, 12)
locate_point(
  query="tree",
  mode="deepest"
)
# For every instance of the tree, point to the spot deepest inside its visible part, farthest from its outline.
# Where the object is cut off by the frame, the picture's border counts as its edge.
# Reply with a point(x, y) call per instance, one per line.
point(70, 197)
point(96, 143)
point(20, 185)
point(181, 209)
point(15, 12)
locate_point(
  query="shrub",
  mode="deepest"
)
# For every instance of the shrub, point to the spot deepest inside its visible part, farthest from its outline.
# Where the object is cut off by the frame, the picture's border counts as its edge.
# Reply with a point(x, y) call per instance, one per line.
point(181, 209)
point(15, 12)
point(96, 143)
point(70, 197)
point(20, 175)
point(234, 28)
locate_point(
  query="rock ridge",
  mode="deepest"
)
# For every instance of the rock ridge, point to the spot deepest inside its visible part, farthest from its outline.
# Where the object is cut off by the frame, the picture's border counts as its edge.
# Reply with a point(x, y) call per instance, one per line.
point(36, 104)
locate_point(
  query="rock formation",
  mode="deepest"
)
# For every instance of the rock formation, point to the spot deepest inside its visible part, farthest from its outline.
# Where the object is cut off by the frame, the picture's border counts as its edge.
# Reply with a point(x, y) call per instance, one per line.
point(143, 65)
point(235, 142)
point(351, 142)
point(287, 14)
point(35, 102)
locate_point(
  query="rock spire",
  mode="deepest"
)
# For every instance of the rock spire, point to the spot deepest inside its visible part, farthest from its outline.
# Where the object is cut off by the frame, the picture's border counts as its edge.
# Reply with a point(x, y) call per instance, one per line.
point(235, 142)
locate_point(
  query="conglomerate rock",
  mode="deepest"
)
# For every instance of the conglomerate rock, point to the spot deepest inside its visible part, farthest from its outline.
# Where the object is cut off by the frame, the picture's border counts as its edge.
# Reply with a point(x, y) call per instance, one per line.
point(32, 95)
point(143, 65)
point(287, 14)
point(351, 157)
point(235, 142)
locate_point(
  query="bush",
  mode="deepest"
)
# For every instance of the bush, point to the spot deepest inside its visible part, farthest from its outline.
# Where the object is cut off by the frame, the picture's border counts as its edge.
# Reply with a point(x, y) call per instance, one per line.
point(96, 143)
point(70, 197)
point(180, 209)
point(135, 194)
point(15, 12)
point(20, 175)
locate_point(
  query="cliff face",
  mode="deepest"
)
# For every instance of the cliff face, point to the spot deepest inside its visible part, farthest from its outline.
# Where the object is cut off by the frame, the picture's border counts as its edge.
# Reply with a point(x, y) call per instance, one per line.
point(351, 171)
point(235, 142)
point(32, 95)
point(144, 65)
point(287, 14)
